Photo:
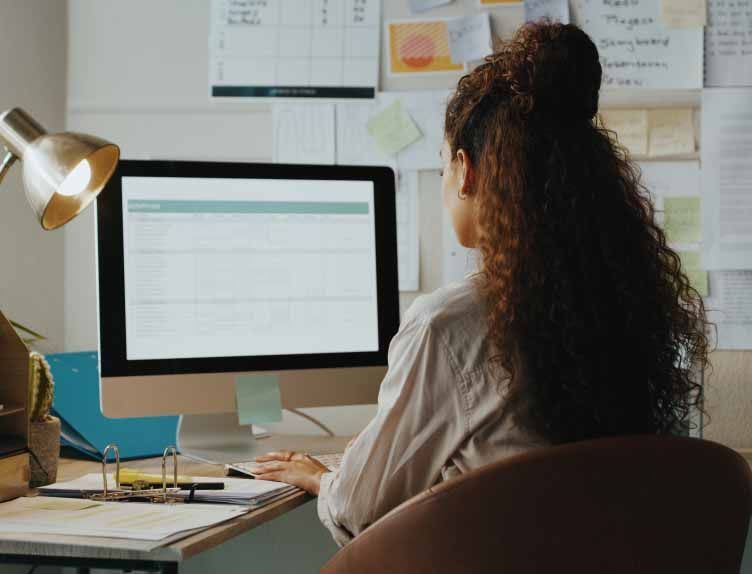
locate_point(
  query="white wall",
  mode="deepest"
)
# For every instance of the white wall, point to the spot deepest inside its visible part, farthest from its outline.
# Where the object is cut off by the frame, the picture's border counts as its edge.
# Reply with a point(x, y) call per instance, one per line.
point(33, 46)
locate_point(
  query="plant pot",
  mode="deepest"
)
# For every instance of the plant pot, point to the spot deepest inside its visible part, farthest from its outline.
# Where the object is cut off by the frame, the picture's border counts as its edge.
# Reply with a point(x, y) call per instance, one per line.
point(44, 444)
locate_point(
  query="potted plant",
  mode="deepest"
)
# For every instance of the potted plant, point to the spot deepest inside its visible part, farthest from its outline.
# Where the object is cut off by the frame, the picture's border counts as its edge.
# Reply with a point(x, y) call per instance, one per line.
point(44, 429)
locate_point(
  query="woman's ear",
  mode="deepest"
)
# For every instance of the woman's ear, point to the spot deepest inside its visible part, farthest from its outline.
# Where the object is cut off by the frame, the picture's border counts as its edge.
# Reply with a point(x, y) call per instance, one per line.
point(467, 174)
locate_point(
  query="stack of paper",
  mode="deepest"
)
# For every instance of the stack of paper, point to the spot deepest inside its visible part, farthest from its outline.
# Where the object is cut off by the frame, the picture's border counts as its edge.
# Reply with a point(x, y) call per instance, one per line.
point(136, 521)
point(241, 491)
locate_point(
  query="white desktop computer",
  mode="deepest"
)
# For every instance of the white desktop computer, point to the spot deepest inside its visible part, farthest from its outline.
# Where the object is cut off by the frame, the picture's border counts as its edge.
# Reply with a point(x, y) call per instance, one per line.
point(211, 270)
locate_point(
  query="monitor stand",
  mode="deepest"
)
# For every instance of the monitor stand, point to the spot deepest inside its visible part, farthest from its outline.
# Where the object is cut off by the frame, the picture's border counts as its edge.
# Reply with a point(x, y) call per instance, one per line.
point(219, 439)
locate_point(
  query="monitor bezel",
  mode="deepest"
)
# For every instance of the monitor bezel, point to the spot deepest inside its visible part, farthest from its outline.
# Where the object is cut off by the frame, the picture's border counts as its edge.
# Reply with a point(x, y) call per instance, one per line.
point(111, 272)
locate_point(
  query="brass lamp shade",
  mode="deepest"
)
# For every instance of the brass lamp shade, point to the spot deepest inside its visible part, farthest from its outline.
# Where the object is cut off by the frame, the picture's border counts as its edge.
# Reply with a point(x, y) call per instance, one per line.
point(62, 173)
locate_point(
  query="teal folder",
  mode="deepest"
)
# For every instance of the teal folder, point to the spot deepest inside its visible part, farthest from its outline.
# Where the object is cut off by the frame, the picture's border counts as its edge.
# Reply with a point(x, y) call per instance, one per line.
point(85, 428)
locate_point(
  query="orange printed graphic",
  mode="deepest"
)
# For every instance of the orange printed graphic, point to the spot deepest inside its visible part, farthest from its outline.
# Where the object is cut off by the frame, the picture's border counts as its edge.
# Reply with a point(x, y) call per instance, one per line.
point(417, 47)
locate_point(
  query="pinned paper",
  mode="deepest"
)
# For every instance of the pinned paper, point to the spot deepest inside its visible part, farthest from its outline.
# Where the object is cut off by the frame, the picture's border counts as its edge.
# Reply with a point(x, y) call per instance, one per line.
point(498, 2)
point(671, 132)
point(258, 399)
point(682, 222)
point(692, 268)
point(393, 129)
point(556, 10)
point(470, 37)
point(423, 5)
point(303, 133)
point(684, 13)
point(631, 127)
point(420, 47)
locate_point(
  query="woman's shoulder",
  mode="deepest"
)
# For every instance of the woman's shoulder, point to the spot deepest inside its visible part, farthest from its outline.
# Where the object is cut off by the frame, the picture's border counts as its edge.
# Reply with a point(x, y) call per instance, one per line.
point(448, 307)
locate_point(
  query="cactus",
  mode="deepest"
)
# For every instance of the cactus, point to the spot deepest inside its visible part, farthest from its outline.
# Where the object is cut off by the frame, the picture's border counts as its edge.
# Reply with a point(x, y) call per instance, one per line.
point(41, 388)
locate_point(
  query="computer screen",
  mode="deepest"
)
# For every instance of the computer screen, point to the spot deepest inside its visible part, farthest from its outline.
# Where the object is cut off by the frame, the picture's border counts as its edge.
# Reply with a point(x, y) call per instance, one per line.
point(222, 268)
point(234, 267)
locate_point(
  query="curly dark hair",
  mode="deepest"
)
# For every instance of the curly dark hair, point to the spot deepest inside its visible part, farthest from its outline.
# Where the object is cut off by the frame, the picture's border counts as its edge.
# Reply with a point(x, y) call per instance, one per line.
point(596, 328)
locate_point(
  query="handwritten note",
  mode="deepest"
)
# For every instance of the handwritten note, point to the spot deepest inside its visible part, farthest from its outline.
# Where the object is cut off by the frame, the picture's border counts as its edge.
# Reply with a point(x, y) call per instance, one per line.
point(728, 43)
point(631, 128)
point(682, 220)
point(670, 132)
point(423, 5)
point(303, 133)
point(684, 13)
point(636, 48)
point(556, 10)
point(470, 37)
point(393, 129)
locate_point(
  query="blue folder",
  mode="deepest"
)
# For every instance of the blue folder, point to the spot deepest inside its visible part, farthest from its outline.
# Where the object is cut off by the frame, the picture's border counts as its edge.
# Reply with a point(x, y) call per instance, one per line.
point(85, 428)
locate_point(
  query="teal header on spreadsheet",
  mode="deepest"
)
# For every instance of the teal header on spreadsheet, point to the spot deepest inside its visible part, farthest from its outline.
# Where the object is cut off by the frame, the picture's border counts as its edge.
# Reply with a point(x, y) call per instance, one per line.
point(282, 207)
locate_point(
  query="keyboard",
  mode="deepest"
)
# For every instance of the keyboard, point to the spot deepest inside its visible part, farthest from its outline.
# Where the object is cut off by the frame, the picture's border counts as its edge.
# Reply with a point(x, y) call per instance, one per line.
point(331, 461)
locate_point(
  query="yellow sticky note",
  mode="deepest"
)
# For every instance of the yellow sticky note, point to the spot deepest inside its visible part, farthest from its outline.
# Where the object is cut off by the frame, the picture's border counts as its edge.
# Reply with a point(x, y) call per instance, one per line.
point(682, 222)
point(420, 47)
point(699, 280)
point(631, 128)
point(690, 260)
point(671, 132)
point(684, 13)
point(393, 129)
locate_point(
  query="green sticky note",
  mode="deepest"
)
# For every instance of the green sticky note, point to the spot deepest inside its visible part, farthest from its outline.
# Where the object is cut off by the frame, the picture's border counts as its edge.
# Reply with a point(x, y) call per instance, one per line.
point(258, 399)
point(682, 221)
point(393, 129)
point(690, 260)
point(699, 280)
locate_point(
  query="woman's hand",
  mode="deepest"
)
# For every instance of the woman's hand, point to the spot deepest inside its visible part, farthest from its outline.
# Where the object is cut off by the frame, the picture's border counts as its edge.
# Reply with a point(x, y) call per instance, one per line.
point(293, 468)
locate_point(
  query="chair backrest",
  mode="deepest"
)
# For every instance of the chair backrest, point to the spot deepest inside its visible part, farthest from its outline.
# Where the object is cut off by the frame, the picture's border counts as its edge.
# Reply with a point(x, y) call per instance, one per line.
point(639, 504)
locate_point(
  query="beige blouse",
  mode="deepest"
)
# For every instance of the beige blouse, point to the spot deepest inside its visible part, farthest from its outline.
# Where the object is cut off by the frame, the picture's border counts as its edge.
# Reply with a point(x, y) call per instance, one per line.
point(439, 414)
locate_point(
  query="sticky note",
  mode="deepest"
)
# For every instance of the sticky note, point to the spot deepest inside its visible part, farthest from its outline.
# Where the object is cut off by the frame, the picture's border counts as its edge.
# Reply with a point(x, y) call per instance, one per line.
point(684, 13)
point(393, 129)
point(671, 132)
point(682, 222)
point(258, 399)
point(631, 128)
point(469, 37)
point(556, 10)
point(699, 280)
point(690, 260)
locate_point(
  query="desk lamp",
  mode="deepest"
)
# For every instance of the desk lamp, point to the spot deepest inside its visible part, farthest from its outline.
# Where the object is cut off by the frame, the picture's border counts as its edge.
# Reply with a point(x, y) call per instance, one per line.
point(62, 174)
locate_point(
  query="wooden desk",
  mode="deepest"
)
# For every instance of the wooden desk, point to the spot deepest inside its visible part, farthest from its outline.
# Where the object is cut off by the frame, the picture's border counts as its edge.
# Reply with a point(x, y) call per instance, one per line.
point(90, 552)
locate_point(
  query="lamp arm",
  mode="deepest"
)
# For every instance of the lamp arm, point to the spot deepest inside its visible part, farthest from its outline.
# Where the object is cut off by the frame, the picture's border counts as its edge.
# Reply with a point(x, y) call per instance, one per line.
point(8, 162)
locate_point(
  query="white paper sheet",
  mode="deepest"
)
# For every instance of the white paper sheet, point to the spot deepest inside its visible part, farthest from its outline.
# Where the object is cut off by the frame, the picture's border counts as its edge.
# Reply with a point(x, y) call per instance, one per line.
point(424, 5)
point(470, 37)
point(303, 133)
point(728, 43)
point(134, 520)
point(556, 10)
point(727, 178)
point(730, 308)
point(636, 49)
point(293, 49)
point(426, 108)
point(408, 240)
point(671, 178)
point(458, 261)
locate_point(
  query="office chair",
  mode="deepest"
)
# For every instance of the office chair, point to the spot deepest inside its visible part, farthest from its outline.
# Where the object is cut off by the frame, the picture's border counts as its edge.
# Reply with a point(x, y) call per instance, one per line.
point(626, 505)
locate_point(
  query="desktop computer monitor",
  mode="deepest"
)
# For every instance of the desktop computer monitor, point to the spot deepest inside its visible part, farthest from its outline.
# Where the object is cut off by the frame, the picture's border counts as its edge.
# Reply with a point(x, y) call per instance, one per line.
point(211, 270)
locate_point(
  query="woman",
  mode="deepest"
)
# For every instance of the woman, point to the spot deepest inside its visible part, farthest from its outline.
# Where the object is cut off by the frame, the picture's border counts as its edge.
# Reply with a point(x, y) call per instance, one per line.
point(580, 323)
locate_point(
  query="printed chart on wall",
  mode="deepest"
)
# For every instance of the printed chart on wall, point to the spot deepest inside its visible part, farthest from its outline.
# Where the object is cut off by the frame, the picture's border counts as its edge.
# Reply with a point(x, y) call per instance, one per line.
point(638, 46)
point(728, 43)
point(277, 49)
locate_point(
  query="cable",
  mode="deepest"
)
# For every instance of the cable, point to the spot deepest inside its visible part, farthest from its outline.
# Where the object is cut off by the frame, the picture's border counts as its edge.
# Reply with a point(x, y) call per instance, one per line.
point(315, 421)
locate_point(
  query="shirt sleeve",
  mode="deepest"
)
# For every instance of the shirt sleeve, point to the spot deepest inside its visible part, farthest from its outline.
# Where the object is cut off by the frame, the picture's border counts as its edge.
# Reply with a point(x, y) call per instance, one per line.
point(420, 422)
